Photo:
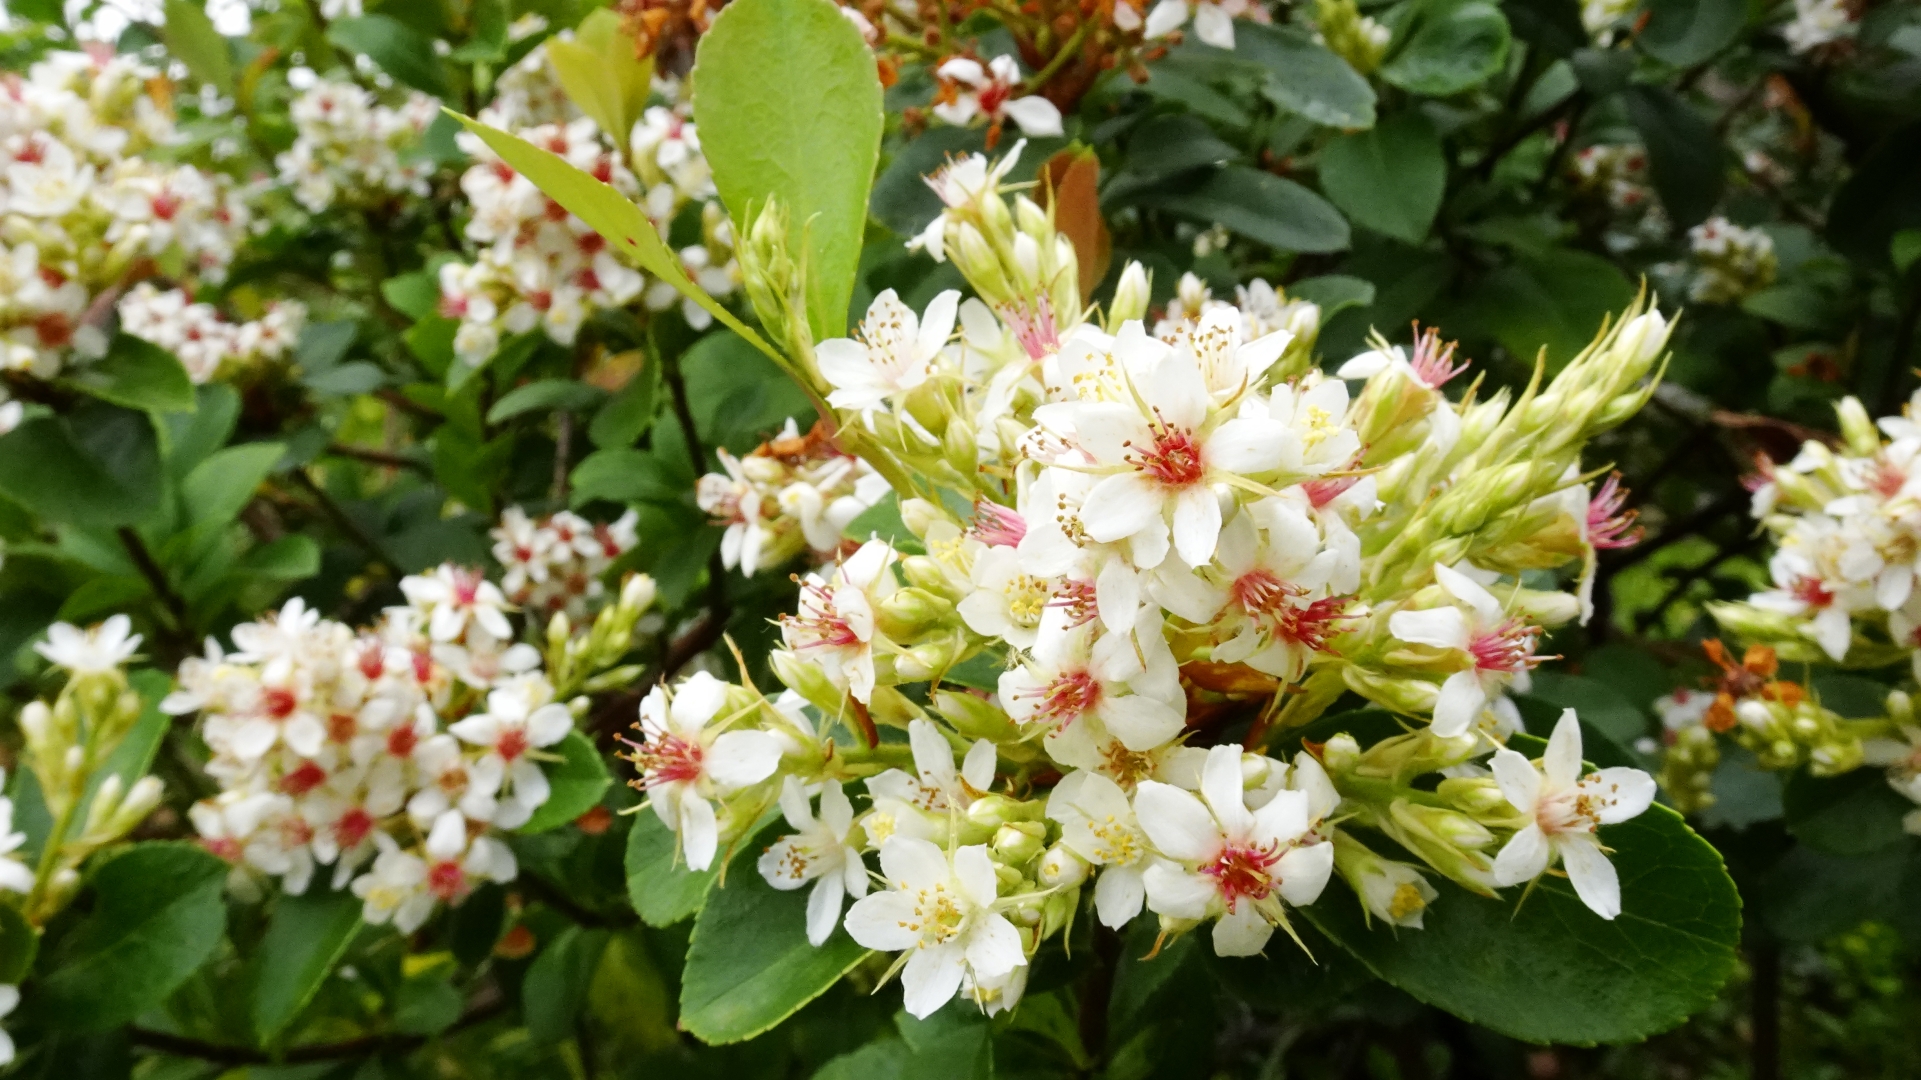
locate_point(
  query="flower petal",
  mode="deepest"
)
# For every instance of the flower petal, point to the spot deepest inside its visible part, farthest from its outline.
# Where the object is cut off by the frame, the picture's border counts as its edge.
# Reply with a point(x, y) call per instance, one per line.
point(1177, 822)
point(1522, 858)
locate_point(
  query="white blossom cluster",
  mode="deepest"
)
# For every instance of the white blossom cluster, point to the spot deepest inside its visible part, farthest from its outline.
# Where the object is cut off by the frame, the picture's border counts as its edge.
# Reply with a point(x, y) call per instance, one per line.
point(1615, 175)
point(391, 754)
point(1820, 22)
point(1730, 261)
point(355, 150)
point(555, 563)
point(970, 90)
point(793, 493)
point(1133, 558)
point(83, 211)
point(538, 266)
point(206, 343)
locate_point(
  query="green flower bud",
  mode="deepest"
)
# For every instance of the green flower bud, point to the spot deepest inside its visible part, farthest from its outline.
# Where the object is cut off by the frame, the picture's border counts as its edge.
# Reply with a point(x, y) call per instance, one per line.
point(910, 613)
point(993, 811)
point(1131, 297)
point(1019, 842)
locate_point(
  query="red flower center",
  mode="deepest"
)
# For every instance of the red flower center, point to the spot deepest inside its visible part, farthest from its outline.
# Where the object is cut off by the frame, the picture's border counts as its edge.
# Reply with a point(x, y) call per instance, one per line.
point(402, 740)
point(1243, 872)
point(447, 881)
point(513, 743)
point(667, 759)
point(1067, 698)
point(278, 702)
point(304, 779)
point(353, 827)
point(1175, 459)
point(1509, 647)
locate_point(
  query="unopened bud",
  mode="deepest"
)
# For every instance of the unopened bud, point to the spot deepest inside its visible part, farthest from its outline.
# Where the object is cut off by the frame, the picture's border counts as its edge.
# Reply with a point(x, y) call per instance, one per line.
point(910, 612)
point(993, 811)
point(1030, 218)
point(926, 660)
point(1476, 795)
point(1642, 339)
point(637, 593)
point(1131, 297)
point(1019, 842)
point(1857, 428)
point(919, 515)
point(1061, 868)
point(974, 717)
point(808, 680)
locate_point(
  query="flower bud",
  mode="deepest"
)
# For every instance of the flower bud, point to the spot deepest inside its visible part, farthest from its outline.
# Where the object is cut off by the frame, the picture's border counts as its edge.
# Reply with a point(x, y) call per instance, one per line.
point(1061, 868)
point(1642, 338)
point(1019, 842)
point(924, 661)
point(1131, 296)
point(1479, 796)
point(106, 800)
point(140, 801)
point(1057, 911)
point(1031, 219)
point(1857, 428)
point(974, 717)
point(637, 593)
point(993, 811)
point(808, 680)
point(919, 515)
point(909, 613)
point(1391, 891)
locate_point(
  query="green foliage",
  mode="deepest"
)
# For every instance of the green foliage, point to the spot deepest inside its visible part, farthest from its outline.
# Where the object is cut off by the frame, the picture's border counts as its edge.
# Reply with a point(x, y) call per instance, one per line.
point(579, 779)
point(306, 937)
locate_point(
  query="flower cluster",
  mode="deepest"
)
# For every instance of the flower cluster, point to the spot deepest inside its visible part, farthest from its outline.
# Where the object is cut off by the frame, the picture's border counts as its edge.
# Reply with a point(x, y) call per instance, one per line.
point(393, 754)
point(796, 492)
point(353, 149)
point(556, 563)
point(1820, 23)
point(539, 267)
point(1731, 261)
point(207, 344)
point(1133, 560)
point(84, 210)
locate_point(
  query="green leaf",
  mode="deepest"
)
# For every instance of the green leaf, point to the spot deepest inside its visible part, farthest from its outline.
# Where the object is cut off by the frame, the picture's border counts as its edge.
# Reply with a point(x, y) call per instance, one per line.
point(359, 377)
point(811, 145)
point(622, 475)
point(628, 414)
point(427, 1004)
point(220, 487)
point(1175, 143)
point(882, 521)
point(191, 38)
point(579, 780)
point(400, 50)
point(1304, 77)
point(324, 344)
point(1685, 158)
point(47, 467)
point(1389, 178)
point(1853, 814)
point(1456, 44)
point(1553, 971)
point(560, 395)
point(662, 890)
point(608, 213)
point(1333, 292)
point(1880, 199)
point(600, 72)
point(1262, 207)
point(157, 916)
point(415, 295)
point(749, 964)
point(291, 558)
point(19, 944)
point(137, 374)
point(1683, 33)
point(556, 984)
point(1554, 300)
point(306, 936)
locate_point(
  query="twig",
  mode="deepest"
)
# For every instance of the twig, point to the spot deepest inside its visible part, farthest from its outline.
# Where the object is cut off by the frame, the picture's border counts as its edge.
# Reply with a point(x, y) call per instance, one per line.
point(379, 457)
point(563, 450)
point(407, 405)
point(347, 526)
point(364, 1047)
point(163, 591)
point(555, 897)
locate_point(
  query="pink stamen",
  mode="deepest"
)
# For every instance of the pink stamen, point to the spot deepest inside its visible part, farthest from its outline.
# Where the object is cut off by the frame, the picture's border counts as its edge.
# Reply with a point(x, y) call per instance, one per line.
point(1078, 599)
point(1243, 872)
point(666, 759)
point(996, 525)
point(1066, 699)
point(1175, 459)
point(1509, 647)
point(1608, 525)
point(1434, 364)
point(1035, 330)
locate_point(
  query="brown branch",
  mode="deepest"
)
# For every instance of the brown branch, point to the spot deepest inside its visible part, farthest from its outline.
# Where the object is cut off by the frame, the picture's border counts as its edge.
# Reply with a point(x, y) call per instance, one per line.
point(379, 457)
point(180, 635)
point(347, 525)
point(407, 405)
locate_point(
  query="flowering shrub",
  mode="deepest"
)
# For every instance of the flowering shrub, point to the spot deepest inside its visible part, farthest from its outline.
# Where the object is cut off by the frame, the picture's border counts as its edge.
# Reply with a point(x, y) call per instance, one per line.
point(1067, 539)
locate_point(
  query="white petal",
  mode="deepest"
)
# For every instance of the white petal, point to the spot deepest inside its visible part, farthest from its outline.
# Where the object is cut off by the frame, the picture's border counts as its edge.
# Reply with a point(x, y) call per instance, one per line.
point(1591, 874)
point(1562, 762)
point(1469, 592)
point(994, 947)
point(1241, 932)
point(974, 873)
point(1620, 793)
point(1520, 781)
point(1140, 722)
point(1177, 822)
point(1166, 16)
point(1441, 628)
point(1197, 524)
point(740, 758)
point(823, 909)
point(1459, 705)
point(1304, 872)
point(1036, 115)
point(1176, 893)
point(1118, 896)
point(1222, 787)
point(881, 922)
point(1522, 858)
point(914, 863)
point(1214, 26)
point(1122, 505)
point(931, 978)
point(699, 832)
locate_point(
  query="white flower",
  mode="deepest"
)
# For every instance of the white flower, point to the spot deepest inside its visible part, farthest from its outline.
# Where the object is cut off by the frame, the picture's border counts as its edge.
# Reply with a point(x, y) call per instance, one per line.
point(9, 1001)
point(1566, 808)
point(941, 913)
point(833, 625)
point(895, 351)
point(94, 651)
point(989, 91)
point(1494, 647)
point(1237, 864)
point(1097, 824)
point(454, 595)
point(684, 762)
point(1004, 603)
point(818, 852)
point(15, 876)
point(1074, 676)
point(1213, 22)
point(520, 718)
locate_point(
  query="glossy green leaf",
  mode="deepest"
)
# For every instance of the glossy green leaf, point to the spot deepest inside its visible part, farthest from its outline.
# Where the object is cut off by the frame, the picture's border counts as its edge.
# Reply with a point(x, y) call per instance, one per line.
point(1455, 44)
point(1303, 77)
point(400, 50)
point(623, 475)
point(158, 914)
point(220, 487)
point(1684, 33)
point(882, 521)
point(788, 102)
point(1553, 971)
point(1852, 814)
point(191, 38)
point(1389, 178)
point(1333, 292)
point(415, 295)
point(560, 395)
point(579, 779)
point(661, 888)
point(306, 936)
point(628, 414)
point(1555, 300)
point(137, 374)
point(19, 944)
point(608, 213)
point(1262, 207)
point(600, 72)
point(291, 558)
point(556, 984)
point(64, 470)
point(1685, 157)
point(749, 964)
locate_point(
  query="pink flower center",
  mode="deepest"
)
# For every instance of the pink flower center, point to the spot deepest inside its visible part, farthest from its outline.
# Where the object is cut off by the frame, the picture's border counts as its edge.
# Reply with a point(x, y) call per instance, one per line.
point(1812, 592)
point(304, 779)
point(1174, 460)
point(668, 759)
point(1077, 597)
point(1509, 647)
point(513, 743)
point(401, 741)
point(998, 526)
point(1887, 479)
point(447, 881)
point(1243, 872)
point(1433, 363)
point(353, 827)
point(466, 587)
point(819, 621)
point(1067, 698)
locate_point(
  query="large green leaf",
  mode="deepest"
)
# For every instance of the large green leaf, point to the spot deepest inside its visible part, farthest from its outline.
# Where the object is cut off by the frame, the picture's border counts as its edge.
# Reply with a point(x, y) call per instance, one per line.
point(1389, 178)
point(579, 779)
point(1852, 814)
point(219, 488)
point(137, 374)
point(601, 73)
point(749, 965)
point(69, 471)
point(1305, 78)
point(1553, 971)
point(1685, 157)
point(661, 888)
point(560, 395)
point(1686, 32)
point(306, 936)
point(191, 38)
point(1455, 44)
point(556, 985)
point(400, 50)
point(608, 213)
point(1260, 206)
point(1555, 300)
point(157, 916)
point(1881, 198)
point(788, 101)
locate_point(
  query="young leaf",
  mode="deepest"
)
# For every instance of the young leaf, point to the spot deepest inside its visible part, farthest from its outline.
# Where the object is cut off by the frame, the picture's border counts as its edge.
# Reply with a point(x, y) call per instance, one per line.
point(788, 102)
point(749, 964)
point(158, 915)
point(191, 38)
point(65, 473)
point(306, 936)
point(1389, 178)
point(578, 781)
point(600, 73)
point(564, 395)
point(662, 889)
point(219, 488)
point(608, 213)
point(137, 374)
point(1549, 970)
